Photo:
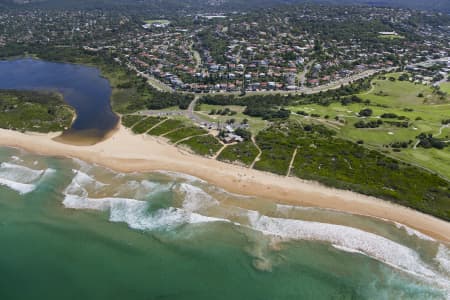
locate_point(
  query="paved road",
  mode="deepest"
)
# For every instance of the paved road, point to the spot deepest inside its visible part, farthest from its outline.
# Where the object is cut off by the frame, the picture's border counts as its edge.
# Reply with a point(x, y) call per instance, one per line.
point(154, 82)
point(330, 86)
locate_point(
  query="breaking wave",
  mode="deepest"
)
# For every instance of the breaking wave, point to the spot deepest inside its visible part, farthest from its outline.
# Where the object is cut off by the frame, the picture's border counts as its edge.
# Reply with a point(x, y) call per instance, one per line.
point(136, 213)
point(20, 178)
point(351, 240)
point(196, 206)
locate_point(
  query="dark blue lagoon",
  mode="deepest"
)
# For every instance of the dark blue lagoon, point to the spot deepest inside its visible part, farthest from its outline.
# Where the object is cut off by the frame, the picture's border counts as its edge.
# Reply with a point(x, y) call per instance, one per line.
point(83, 88)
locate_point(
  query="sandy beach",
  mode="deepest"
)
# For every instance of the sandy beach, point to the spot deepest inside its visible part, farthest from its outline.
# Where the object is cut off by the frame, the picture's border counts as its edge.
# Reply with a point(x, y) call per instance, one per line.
point(126, 152)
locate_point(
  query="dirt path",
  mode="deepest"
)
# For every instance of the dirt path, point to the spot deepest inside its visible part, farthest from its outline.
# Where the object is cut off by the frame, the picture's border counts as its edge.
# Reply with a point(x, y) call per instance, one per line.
point(188, 138)
point(258, 156)
point(288, 173)
point(156, 125)
point(220, 151)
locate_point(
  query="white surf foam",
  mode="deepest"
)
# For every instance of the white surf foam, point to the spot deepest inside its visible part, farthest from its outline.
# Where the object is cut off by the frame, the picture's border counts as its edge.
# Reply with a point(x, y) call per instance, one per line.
point(19, 173)
point(349, 250)
point(144, 189)
point(135, 213)
point(21, 188)
point(413, 232)
point(20, 178)
point(84, 166)
point(368, 243)
point(195, 198)
point(443, 259)
point(80, 183)
point(286, 209)
point(176, 175)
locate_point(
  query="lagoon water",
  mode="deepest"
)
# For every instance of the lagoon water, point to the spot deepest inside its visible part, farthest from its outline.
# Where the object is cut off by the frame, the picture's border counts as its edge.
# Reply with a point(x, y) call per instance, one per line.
point(82, 87)
point(70, 230)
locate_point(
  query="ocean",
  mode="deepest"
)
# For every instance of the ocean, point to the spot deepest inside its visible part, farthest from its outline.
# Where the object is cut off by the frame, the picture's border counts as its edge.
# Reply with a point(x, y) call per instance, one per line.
point(71, 230)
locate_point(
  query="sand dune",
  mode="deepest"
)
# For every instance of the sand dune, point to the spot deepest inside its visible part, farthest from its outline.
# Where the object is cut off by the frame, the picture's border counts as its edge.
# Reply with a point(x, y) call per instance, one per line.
point(126, 152)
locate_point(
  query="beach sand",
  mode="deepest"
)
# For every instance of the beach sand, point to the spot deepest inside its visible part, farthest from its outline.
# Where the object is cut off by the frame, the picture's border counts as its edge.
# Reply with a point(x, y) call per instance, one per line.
point(126, 152)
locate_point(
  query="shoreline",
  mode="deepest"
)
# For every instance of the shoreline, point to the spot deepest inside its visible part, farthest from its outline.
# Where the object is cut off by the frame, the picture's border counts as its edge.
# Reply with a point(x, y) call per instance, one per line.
point(125, 152)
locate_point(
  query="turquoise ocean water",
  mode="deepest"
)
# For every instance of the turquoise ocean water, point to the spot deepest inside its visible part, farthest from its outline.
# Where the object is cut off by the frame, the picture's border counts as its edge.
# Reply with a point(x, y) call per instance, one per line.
point(70, 230)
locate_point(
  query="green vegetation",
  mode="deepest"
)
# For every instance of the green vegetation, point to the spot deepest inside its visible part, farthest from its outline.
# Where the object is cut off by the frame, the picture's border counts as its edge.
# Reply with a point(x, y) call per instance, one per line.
point(244, 153)
point(391, 36)
point(34, 111)
point(445, 87)
point(130, 120)
point(396, 118)
point(157, 21)
point(146, 124)
point(278, 144)
point(169, 125)
point(206, 145)
point(343, 164)
point(185, 132)
point(129, 92)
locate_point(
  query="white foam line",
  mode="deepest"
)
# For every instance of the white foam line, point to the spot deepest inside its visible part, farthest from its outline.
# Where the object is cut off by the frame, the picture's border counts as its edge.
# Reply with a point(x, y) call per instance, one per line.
point(413, 232)
point(19, 173)
point(20, 178)
point(346, 249)
point(135, 213)
point(195, 198)
point(22, 188)
point(443, 258)
point(177, 175)
point(284, 209)
point(373, 245)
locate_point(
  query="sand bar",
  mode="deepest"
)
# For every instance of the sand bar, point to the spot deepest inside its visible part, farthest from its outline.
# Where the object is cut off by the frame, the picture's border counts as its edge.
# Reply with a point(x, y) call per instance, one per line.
point(126, 152)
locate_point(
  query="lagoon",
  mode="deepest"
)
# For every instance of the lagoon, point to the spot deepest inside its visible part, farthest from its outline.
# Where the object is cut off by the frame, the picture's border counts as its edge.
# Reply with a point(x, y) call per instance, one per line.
point(82, 87)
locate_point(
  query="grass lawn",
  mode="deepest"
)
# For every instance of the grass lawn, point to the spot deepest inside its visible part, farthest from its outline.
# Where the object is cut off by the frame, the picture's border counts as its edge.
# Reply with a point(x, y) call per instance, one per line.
point(144, 125)
point(205, 145)
point(432, 159)
point(390, 36)
point(130, 120)
point(157, 21)
point(166, 126)
point(244, 153)
point(445, 87)
point(399, 98)
point(185, 132)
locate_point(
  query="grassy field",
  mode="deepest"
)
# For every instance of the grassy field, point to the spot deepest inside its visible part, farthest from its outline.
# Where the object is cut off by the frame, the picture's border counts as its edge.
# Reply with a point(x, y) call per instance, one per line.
point(34, 111)
point(131, 120)
point(157, 21)
point(445, 87)
point(205, 145)
point(390, 36)
point(169, 125)
point(146, 124)
point(423, 114)
point(256, 124)
point(241, 153)
point(185, 132)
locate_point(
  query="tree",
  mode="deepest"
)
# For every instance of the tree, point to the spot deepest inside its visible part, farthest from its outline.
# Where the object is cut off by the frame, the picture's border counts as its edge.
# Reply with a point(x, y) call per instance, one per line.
point(367, 112)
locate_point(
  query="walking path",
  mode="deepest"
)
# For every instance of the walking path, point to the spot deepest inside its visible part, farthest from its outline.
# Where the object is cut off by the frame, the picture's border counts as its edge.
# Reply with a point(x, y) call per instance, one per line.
point(259, 154)
point(292, 162)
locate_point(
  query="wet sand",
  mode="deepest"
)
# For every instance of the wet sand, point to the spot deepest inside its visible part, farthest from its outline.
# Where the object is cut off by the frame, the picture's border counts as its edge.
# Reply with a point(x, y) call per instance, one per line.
point(126, 152)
